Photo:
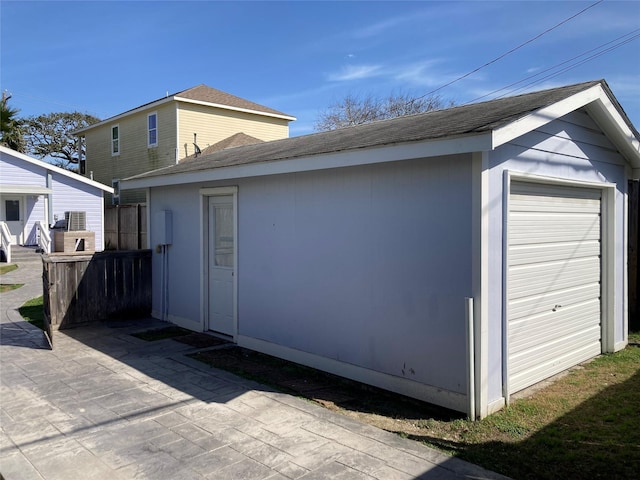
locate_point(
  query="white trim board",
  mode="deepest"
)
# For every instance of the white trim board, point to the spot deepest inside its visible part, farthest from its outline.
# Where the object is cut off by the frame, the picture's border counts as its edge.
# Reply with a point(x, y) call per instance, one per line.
point(403, 386)
point(351, 158)
point(53, 168)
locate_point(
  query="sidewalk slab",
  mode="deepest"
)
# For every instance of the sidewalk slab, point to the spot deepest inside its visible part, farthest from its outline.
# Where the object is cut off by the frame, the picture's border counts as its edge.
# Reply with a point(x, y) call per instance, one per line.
point(105, 405)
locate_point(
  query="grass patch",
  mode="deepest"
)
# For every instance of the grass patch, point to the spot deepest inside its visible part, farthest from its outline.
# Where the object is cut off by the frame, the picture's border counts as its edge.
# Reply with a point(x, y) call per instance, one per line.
point(161, 333)
point(33, 312)
point(583, 425)
point(7, 268)
point(7, 287)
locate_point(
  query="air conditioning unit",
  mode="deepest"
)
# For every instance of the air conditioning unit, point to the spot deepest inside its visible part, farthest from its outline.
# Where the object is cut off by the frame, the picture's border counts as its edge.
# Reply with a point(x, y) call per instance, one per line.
point(76, 221)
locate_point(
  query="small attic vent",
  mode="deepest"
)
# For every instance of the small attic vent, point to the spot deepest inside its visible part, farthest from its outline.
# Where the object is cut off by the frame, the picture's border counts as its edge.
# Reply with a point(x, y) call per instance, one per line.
point(76, 221)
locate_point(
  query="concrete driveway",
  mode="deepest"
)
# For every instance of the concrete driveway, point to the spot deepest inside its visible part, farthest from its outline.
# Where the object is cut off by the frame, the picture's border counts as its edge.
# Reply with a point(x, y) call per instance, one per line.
point(105, 405)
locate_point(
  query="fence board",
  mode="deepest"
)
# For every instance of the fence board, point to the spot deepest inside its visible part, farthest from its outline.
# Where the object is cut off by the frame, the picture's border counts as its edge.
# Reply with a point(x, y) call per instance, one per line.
point(125, 227)
point(81, 289)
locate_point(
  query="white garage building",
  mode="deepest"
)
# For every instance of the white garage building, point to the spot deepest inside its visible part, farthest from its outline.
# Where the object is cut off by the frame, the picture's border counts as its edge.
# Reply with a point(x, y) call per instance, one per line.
point(456, 256)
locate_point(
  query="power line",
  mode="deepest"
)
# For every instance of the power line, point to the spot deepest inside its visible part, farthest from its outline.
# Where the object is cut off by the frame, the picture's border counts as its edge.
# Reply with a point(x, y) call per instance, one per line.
point(599, 47)
point(508, 52)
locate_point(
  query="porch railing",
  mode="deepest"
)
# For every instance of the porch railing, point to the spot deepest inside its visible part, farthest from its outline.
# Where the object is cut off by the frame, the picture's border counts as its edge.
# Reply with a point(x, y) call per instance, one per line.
point(44, 239)
point(5, 241)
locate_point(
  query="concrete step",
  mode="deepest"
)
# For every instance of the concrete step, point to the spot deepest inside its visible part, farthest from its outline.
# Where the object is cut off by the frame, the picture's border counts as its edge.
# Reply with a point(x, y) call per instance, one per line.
point(20, 254)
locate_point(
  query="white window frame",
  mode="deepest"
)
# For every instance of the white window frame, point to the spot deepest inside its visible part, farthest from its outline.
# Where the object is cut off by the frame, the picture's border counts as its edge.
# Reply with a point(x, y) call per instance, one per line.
point(149, 130)
point(115, 197)
point(112, 141)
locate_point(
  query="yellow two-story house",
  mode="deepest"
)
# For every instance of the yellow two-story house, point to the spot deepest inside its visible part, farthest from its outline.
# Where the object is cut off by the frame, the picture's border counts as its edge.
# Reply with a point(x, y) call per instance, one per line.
point(167, 130)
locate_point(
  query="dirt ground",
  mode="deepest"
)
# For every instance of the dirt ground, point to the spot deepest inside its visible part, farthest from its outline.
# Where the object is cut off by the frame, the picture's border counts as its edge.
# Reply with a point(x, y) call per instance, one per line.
point(386, 410)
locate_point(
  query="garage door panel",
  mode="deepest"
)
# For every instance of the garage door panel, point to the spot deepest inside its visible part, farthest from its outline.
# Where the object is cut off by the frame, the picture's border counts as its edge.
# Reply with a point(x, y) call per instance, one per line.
point(524, 203)
point(531, 231)
point(543, 370)
point(553, 280)
point(533, 305)
point(547, 352)
point(554, 191)
point(541, 328)
point(549, 252)
point(539, 278)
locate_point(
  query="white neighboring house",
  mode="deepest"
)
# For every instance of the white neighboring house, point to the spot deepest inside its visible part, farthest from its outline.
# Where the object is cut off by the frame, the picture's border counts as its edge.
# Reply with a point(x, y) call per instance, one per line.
point(35, 194)
point(456, 256)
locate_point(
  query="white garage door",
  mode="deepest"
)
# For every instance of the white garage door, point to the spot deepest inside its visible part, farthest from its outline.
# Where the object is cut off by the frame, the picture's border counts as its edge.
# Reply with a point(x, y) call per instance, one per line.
point(553, 280)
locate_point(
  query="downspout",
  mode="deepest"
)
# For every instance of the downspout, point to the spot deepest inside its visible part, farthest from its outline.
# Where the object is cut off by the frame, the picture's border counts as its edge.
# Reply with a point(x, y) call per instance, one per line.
point(471, 380)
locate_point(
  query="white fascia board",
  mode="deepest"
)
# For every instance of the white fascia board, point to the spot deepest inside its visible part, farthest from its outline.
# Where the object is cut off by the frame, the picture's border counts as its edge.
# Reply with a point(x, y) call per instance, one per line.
point(598, 105)
point(53, 168)
point(609, 119)
point(351, 158)
point(545, 115)
point(237, 109)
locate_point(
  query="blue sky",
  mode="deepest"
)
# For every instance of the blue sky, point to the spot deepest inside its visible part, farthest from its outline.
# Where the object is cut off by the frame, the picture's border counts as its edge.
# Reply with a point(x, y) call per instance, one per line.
point(106, 57)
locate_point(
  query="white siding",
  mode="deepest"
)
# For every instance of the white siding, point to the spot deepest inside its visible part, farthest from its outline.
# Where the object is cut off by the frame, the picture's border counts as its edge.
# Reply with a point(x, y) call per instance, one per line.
point(17, 172)
point(68, 194)
point(367, 265)
point(73, 195)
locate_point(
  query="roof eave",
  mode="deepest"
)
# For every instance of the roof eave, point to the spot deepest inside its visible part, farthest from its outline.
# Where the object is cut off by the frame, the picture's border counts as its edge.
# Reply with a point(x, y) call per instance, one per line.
point(236, 109)
point(177, 98)
point(142, 108)
point(597, 102)
point(53, 168)
point(348, 158)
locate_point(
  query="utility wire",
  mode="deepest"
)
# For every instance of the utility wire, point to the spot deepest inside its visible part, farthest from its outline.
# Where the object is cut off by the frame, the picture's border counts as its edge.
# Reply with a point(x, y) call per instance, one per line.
point(508, 52)
point(570, 67)
point(599, 47)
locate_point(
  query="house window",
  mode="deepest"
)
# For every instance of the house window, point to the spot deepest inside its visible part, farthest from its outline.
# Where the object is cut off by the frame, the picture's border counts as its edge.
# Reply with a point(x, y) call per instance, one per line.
point(115, 140)
point(115, 198)
point(12, 210)
point(152, 126)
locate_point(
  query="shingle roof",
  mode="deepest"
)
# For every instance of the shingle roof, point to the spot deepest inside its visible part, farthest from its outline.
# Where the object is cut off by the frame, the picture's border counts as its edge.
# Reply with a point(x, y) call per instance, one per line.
point(235, 140)
point(199, 93)
point(452, 122)
point(204, 93)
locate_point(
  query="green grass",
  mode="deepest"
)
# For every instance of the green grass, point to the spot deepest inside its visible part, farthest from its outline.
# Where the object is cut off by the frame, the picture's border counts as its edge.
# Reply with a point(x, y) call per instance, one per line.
point(7, 268)
point(7, 287)
point(33, 312)
point(585, 424)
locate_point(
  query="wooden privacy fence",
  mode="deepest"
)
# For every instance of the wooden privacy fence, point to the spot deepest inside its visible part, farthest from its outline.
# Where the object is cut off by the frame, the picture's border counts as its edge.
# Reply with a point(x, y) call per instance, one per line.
point(125, 227)
point(81, 289)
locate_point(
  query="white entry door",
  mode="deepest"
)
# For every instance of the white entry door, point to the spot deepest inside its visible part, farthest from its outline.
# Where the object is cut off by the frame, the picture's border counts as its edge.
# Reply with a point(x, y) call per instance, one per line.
point(13, 216)
point(221, 260)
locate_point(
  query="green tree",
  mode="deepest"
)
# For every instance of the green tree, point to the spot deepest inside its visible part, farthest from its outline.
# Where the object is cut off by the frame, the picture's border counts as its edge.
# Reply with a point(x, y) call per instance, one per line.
point(353, 110)
point(11, 127)
point(50, 136)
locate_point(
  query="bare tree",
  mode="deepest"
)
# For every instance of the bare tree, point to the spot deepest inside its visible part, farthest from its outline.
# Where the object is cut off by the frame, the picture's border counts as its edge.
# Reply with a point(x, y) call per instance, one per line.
point(352, 110)
point(51, 136)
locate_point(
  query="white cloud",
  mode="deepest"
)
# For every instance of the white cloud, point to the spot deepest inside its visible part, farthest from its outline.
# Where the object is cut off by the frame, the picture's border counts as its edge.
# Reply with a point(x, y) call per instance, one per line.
point(355, 72)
